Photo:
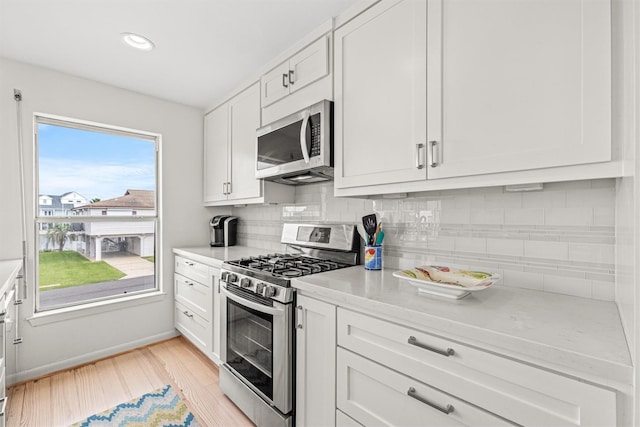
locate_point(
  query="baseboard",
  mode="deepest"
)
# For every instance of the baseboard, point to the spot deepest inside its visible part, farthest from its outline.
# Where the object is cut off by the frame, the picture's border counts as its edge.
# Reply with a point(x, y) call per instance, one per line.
point(62, 365)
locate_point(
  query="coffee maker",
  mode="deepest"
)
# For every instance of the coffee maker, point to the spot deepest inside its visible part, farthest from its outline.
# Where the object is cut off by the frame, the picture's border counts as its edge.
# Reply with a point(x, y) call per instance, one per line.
point(223, 230)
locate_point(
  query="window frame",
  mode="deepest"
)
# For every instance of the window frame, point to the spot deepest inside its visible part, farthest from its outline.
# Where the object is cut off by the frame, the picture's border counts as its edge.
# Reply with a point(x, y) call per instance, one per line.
point(38, 219)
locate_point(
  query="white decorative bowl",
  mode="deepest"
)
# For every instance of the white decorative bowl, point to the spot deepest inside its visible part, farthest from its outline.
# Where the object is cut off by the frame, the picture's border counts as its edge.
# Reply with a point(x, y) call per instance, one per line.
point(444, 289)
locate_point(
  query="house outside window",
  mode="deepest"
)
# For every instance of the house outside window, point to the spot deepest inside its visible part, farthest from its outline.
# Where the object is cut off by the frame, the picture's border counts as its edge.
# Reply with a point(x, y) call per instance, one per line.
point(107, 251)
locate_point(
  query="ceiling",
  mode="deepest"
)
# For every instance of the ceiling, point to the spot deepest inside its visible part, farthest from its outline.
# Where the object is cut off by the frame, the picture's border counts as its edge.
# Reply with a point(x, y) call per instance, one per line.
point(204, 48)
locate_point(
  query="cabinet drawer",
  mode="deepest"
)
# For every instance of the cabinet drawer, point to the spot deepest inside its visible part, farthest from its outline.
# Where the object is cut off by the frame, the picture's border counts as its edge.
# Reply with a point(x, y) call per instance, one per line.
point(375, 395)
point(194, 295)
point(343, 420)
point(516, 391)
point(192, 270)
point(193, 326)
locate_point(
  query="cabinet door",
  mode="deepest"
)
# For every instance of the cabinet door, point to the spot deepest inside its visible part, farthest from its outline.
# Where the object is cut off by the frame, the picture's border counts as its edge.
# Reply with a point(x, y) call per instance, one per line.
point(215, 313)
point(244, 113)
point(275, 84)
point(380, 96)
point(309, 65)
point(216, 125)
point(315, 363)
point(517, 85)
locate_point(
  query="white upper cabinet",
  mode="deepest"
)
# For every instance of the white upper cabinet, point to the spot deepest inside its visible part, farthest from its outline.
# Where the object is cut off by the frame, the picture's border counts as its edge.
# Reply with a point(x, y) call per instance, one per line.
point(302, 69)
point(517, 85)
point(429, 93)
point(380, 96)
point(230, 154)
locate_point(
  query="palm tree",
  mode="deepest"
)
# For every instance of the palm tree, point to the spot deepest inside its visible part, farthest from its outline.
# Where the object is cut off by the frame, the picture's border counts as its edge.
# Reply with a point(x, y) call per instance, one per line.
point(59, 234)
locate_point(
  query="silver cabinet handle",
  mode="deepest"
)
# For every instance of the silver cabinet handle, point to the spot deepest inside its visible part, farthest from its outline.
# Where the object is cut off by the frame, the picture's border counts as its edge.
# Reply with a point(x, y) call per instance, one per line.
point(433, 163)
point(299, 314)
point(188, 283)
point(445, 409)
point(189, 263)
point(291, 81)
point(186, 313)
point(224, 188)
point(413, 341)
point(419, 164)
point(3, 409)
point(229, 190)
point(285, 78)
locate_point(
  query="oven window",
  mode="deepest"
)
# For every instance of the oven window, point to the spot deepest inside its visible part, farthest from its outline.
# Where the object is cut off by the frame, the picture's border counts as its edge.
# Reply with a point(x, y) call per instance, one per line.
point(250, 344)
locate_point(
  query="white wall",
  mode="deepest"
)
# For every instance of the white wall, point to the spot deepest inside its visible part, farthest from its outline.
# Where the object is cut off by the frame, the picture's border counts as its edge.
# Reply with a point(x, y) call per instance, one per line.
point(183, 219)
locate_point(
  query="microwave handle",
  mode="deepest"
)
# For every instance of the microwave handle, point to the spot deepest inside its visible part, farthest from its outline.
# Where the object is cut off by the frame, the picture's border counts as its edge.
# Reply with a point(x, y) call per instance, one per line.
point(303, 137)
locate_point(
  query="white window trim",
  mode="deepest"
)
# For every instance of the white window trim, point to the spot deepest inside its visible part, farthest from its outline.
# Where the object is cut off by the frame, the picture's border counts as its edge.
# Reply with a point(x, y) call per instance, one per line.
point(40, 316)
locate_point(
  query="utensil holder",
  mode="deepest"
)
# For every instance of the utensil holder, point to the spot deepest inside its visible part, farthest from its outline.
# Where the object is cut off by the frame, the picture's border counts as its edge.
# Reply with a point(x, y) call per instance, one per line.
point(373, 257)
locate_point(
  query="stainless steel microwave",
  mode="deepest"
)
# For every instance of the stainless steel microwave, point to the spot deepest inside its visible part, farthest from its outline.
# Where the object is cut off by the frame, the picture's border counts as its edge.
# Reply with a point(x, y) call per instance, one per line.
point(297, 149)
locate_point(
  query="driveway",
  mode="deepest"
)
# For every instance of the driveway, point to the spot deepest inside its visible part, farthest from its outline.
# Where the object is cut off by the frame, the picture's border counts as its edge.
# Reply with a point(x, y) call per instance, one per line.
point(129, 264)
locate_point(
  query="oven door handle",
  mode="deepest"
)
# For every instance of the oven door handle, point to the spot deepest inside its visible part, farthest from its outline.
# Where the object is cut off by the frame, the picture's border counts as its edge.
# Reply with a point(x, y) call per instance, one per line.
point(258, 307)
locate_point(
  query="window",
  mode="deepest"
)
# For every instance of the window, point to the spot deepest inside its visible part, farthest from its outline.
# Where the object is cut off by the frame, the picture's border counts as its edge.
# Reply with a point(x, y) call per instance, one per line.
point(98, 175)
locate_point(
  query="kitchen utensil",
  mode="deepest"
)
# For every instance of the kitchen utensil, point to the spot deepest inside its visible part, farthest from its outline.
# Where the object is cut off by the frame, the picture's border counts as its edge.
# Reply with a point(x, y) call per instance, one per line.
point(379, 237)
point(370, 226)
point(362, 232)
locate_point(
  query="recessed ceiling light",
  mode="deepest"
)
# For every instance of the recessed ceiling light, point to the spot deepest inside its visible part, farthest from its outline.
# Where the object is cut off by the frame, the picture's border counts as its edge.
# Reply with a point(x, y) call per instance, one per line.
point(137, 41)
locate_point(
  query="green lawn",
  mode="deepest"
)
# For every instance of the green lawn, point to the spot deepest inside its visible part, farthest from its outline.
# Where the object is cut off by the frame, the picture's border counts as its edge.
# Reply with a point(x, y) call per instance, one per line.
point(69, 268)
point(150, 258)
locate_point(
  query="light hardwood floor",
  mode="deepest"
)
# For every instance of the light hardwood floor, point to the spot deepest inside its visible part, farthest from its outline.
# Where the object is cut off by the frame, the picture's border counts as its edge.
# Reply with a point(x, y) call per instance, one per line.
point(69, 396)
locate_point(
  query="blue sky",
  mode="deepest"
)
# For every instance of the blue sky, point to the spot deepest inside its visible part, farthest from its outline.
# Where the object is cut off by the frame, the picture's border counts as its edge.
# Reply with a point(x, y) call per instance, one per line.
point(93, 164)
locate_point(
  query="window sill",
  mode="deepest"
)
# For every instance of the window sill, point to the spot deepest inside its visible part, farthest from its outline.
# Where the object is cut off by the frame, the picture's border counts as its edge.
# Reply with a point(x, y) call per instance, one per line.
point(67, 313)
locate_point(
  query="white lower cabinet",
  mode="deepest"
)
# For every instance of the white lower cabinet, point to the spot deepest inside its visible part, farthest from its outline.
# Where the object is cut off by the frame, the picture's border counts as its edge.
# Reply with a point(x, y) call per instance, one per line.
point(315, 362)
point(193, 302)
point(376, 395)
point(343, 420)
point(389, 365)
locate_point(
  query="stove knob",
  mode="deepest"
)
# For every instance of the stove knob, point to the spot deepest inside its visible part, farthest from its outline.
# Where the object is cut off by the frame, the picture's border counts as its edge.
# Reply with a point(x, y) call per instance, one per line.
point(232, 278)
point(270, 291)
point(245, 283)
point(260, 288)
point(224, 275)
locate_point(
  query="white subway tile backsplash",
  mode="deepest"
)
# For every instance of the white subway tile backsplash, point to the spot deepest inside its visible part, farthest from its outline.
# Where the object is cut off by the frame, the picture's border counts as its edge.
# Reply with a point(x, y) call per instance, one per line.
point(569, 216)
point(505, 247)
point(546, 250)
point(524, 216)
point(568, 286)
point(592, 253)
point(487, 216)
point(560, 239)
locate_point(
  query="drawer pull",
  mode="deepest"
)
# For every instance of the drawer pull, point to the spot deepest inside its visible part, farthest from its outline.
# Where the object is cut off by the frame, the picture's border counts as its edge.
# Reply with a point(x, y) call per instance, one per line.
point(3, 409)
point(189, 263)
point(186, 313)
point(413, 341)
point(444, 409)
point(188, 283)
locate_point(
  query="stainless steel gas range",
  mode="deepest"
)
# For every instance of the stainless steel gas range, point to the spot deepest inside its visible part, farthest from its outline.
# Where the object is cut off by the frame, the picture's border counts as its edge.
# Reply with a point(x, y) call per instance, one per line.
point(257, 306)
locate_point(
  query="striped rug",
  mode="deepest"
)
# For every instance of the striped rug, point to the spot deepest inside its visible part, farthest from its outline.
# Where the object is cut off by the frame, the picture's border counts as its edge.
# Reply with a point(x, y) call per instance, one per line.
point(161, 408)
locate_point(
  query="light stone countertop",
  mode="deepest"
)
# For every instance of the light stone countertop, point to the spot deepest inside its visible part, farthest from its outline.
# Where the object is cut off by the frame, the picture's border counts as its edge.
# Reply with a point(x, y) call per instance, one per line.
point(577, 336)
point(215, 256)
point(9, 269)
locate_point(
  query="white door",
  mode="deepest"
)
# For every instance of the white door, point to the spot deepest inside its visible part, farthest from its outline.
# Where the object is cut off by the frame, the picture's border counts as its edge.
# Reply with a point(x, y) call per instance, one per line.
point(244, 112)
point(275, 84)
point(216, 125)
point(309, 65)
point(517, 85)
point(380, 96)
point(315, 363)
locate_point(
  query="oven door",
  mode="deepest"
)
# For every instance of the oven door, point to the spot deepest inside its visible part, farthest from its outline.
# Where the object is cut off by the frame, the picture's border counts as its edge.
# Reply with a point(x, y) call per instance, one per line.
point(256, 344)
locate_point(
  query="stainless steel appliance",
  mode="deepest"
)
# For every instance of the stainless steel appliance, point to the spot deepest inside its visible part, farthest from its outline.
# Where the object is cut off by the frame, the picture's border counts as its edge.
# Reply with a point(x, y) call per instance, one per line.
point(298, 149)
point(223, 229)
point(257, 305)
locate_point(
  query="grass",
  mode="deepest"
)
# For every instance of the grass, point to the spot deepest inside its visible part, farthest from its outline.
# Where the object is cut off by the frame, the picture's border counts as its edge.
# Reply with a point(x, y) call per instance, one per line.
point(150, 258)
point(69, 268)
